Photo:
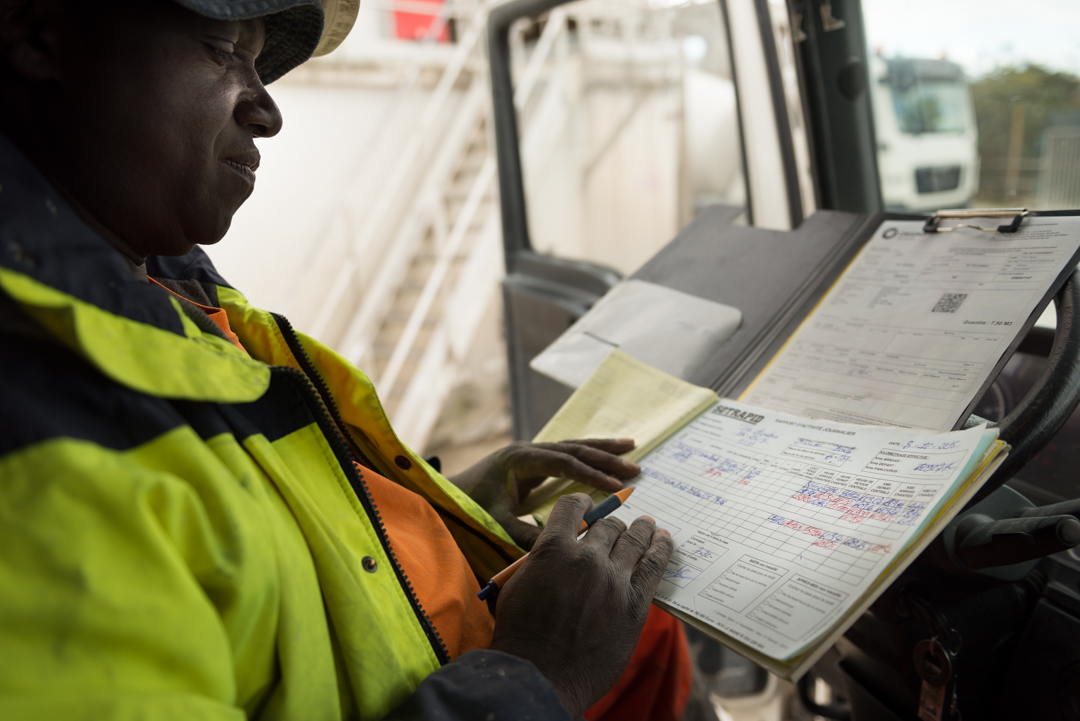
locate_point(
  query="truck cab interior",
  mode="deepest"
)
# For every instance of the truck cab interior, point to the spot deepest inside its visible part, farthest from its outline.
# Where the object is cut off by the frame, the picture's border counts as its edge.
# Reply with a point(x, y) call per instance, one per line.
point(765, 138)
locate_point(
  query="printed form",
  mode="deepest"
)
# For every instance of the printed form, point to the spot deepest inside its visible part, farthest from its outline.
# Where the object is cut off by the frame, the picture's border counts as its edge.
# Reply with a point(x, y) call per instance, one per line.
point(781, 524)
point(915, 326)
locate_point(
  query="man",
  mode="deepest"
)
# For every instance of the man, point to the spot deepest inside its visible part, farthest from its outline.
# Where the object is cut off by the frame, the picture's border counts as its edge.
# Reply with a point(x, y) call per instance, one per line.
point(205, 514)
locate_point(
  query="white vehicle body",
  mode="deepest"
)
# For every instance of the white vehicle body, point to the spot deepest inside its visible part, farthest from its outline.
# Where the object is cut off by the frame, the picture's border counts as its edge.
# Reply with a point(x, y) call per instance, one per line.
point(928, 155)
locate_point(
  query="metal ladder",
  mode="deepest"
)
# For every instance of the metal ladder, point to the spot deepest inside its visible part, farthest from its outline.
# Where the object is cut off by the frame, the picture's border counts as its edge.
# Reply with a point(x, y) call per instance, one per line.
point(419, 269)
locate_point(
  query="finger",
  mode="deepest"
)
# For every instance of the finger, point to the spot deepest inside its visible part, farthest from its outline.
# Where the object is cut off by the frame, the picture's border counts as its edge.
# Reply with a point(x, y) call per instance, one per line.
point(618, 446)
point(602, 454)
point(650, 569)
point(634, 543)
point(565, 518)
point(603, 534)
point(552, 462)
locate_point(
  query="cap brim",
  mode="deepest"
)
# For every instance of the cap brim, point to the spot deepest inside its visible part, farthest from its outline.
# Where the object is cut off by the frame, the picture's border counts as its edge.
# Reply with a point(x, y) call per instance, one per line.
point(340, 18)
point(295, 29)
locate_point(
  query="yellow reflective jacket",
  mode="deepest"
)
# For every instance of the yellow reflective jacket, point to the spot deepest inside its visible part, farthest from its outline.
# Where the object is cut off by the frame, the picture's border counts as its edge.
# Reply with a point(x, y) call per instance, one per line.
point(182, 532)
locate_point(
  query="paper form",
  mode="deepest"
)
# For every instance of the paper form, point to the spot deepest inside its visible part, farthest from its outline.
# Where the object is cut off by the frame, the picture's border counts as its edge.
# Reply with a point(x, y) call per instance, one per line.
point(781, 524)
point(916, 325)
point(624, 398)
point(665, 328)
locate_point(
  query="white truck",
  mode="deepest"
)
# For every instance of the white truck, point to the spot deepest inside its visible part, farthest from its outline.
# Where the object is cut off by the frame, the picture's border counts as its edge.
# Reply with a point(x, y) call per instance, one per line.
point(928, 156)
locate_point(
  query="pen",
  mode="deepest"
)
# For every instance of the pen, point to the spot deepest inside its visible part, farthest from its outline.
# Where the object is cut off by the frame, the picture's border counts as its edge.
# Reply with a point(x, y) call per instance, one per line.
point(602, 509)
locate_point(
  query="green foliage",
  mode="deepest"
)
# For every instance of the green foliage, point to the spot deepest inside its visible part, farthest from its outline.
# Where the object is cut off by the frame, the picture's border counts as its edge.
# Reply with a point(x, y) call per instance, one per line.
point(1042, 93)
point(1046, 98)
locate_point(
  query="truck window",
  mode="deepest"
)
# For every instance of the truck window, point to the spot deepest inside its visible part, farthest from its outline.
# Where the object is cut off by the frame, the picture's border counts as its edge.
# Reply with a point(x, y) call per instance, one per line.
point(975, 104)
point(929, 104)
point(629, 126)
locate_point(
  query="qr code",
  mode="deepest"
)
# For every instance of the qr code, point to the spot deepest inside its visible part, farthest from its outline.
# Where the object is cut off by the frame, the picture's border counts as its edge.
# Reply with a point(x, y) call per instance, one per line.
point(950, 302)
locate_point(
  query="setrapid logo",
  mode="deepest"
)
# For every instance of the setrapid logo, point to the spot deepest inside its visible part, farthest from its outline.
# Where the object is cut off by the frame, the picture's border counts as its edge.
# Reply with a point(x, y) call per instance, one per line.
point(744, 416)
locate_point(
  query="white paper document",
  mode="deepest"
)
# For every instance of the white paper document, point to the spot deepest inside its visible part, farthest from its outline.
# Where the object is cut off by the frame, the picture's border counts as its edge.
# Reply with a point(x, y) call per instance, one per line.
point(917, 323)
point(782, 524)
point(668, 329)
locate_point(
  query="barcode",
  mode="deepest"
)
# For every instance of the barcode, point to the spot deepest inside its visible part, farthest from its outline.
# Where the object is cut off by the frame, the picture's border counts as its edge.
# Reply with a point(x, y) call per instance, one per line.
point(950, 302)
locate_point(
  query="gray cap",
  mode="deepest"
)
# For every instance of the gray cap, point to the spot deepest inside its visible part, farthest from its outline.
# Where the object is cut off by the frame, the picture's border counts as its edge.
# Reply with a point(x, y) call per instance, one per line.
point(295, 29)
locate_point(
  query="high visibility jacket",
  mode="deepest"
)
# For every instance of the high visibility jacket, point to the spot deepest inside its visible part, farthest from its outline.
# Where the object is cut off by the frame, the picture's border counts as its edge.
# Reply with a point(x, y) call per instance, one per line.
point(182, 530)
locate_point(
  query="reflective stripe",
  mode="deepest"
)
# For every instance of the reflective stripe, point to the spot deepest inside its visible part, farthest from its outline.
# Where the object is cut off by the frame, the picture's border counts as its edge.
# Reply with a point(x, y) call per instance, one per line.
point(249, 550)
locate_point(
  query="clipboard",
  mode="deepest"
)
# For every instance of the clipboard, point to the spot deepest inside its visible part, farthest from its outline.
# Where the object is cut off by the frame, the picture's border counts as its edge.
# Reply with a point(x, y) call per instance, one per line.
point(777, 278)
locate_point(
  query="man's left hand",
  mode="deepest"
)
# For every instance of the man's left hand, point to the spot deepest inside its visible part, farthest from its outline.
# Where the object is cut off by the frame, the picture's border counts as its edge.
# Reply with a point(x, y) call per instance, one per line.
point(500, 482)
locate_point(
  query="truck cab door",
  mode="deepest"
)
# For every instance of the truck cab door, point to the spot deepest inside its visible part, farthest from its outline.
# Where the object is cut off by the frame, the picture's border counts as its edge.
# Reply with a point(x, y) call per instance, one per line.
point(614, 127)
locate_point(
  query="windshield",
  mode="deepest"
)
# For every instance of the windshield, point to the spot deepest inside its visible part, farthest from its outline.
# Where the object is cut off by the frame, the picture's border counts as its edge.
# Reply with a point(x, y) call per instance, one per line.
point(931, 107)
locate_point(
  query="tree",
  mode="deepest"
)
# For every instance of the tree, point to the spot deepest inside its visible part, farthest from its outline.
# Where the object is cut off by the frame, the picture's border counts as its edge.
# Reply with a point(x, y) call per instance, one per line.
point(1046, 98)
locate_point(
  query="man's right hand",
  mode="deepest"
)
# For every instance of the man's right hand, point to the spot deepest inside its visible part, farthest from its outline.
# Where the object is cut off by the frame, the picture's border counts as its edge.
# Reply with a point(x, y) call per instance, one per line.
point(576, 608)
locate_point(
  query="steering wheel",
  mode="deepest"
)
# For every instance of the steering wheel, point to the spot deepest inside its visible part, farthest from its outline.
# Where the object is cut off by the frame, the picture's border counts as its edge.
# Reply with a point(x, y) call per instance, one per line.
point(1053, 398)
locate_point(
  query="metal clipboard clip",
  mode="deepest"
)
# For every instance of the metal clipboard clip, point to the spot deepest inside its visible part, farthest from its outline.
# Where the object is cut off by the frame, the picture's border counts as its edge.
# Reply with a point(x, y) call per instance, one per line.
point(1017, 214)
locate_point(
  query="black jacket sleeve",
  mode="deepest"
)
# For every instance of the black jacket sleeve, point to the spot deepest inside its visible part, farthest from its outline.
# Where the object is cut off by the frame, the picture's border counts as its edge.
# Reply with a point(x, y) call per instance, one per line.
point(483, 686)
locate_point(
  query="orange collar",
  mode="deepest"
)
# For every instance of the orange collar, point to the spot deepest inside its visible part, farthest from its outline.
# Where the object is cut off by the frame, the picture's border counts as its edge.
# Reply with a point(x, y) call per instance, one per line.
point(217, 315)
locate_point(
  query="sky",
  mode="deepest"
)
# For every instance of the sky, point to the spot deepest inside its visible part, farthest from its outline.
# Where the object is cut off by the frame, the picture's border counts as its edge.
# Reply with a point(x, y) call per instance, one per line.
point(978, 34)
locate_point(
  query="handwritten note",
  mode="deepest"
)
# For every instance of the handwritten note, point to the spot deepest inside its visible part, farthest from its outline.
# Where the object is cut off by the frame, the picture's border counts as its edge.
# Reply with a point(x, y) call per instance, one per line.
point(782, 523)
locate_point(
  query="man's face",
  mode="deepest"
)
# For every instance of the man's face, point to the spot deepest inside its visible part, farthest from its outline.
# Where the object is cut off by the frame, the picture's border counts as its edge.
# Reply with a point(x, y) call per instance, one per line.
point(154, 111)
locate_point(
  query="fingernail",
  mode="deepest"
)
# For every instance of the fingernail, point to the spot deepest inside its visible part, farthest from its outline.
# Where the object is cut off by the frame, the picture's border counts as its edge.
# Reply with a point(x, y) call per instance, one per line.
point(664, 532)
point(650, 519)
point(633, 466)
point(626, 440)
point(616, 481)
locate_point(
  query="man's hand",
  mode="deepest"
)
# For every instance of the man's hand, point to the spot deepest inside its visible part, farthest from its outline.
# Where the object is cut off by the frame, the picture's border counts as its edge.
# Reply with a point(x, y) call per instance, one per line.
point(576, 608)
point(502, 480)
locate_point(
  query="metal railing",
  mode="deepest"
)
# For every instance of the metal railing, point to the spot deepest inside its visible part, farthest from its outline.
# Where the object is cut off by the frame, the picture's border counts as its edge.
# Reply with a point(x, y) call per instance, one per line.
point(341, 208)
point(424, 212)
point(387, 210)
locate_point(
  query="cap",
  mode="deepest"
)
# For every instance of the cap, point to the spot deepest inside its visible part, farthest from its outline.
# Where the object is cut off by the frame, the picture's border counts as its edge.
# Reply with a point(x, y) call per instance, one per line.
point(295, 29)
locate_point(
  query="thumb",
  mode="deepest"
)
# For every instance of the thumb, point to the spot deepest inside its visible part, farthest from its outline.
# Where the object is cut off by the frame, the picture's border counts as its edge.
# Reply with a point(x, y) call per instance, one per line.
point(650, 568)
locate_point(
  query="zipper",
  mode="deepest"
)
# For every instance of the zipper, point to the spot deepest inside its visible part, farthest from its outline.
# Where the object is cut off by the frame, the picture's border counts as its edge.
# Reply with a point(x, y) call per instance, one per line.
point(316, 379)
point(330, 407)
point(333, 429)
